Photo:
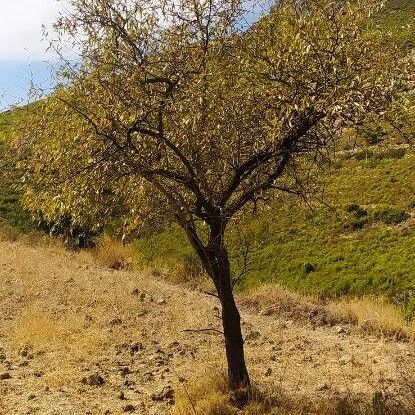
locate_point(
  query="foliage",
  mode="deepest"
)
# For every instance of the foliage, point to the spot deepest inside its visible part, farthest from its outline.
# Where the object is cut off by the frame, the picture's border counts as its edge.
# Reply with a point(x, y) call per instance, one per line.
point(12, 213)
point(349, 260)
point(108, 119)
point(174, 109)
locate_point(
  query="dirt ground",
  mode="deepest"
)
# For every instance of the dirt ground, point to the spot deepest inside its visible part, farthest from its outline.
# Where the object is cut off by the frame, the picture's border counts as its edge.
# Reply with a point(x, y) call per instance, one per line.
point(76, 338)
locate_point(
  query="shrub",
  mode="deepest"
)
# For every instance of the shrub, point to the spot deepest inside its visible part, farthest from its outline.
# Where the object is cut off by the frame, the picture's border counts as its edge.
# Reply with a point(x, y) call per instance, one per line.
point(356, 210)
point(309, 267)
point(374, 135)
point(393, 153)
point(391, 216)
point(112, 254)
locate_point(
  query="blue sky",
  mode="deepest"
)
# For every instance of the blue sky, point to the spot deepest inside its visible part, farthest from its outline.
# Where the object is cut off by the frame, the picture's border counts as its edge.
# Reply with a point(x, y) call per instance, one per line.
point(23, 57)
point(22, 49)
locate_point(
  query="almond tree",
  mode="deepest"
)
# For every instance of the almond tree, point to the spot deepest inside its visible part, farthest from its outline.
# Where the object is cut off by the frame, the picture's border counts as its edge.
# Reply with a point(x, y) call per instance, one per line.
point(181, 110)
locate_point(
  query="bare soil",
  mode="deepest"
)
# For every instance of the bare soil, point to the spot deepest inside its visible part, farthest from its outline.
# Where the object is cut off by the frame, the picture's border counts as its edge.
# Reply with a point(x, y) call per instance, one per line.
point(76, 338)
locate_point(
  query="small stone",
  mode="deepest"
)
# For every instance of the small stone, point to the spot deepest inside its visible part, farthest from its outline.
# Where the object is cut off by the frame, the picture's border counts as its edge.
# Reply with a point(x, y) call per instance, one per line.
point(124, 371)
point(121, 396)
point(31, 396)
point(135, 348)
point(26, 351)
point(268, 372)
point(129, 408)
point(167, 395)
point(323, 386)
point(253, 335)
point(116, 322)
point(340, 330)
point(161, 301)
point(2, 357)
point(5, 376)
point(94, 380)
point(344, 360)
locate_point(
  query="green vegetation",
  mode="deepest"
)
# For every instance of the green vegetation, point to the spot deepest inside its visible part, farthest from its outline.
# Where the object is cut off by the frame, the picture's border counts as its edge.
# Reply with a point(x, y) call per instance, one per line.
point(12, 214)
point(361, 243)
point(399, 18)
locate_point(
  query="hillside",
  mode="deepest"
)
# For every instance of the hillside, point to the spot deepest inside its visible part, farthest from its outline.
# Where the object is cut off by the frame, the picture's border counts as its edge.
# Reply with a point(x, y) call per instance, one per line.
point(76, 338)
point(360, 241)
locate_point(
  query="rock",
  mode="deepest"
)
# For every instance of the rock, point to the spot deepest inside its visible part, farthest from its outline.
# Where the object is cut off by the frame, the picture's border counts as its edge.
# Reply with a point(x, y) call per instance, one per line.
point(341, 330)
point(26, 352)
point(2, 357)
point(31, 396)
point(128, 383)
point(266, 311)
point(93, 380)
point(124, 371)
point(161, 301)
point(323, 386)
point(253, 335)
point(166, 395)
point(5, 376)
point(268, 372)
point(141, 295)
point(116, 322)
point(121, 396)
point(136, 347)
point(344, 360)
point(129, 408)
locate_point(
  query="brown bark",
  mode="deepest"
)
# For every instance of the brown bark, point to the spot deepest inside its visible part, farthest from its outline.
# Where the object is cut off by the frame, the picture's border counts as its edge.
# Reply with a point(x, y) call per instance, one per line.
point(216, 262)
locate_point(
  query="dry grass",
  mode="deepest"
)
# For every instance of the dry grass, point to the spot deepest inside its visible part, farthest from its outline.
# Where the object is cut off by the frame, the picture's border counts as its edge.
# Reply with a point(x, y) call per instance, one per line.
point(112, 254)
point(376, 316)
point(33, 238)
point(78, 319)
point(272, 299)
point(210, 396)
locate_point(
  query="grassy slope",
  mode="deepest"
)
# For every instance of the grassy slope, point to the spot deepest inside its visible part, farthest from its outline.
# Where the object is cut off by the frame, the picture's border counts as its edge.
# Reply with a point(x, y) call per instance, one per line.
point(343, 259)
point(328, 251)
point(343, 253)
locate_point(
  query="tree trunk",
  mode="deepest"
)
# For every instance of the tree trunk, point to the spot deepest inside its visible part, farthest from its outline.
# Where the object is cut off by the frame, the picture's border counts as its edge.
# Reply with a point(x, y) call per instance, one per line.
point(231, 320)
point(215, 260)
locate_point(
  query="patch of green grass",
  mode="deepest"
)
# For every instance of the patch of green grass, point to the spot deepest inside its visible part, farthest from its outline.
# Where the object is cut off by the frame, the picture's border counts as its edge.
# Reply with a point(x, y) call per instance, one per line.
point(398, 17)
point(363, 243)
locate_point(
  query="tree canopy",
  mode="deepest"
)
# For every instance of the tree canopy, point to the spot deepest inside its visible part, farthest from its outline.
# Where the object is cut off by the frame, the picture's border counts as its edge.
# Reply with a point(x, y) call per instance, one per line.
point(177, 111)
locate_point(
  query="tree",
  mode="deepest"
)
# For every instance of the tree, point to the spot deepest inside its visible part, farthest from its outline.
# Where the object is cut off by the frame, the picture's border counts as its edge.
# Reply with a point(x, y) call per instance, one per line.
point(180, 109)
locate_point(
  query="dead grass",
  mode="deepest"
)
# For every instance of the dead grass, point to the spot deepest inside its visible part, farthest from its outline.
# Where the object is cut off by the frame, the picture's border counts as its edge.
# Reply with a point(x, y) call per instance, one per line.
point(272, 299)
point(112, 254)
point(376, 316)
point(79, 318)
point(210, 396)
point(32, 238)
point(38, 333)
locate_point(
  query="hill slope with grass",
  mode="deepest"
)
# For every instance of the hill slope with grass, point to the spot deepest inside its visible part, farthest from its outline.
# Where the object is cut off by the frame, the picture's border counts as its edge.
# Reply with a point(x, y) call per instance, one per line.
point(360, 243)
